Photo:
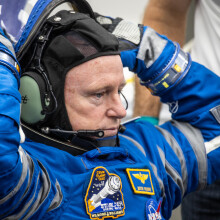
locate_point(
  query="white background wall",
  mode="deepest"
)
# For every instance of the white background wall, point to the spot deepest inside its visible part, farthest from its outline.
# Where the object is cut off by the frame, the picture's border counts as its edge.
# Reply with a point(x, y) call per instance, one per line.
point(128, 9)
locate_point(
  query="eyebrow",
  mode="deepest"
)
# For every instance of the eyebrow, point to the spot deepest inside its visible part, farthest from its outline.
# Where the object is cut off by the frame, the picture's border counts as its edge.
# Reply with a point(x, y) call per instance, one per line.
point(105, 87)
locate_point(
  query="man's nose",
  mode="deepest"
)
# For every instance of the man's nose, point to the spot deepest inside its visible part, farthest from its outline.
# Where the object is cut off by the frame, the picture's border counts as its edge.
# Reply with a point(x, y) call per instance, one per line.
point(116, 107)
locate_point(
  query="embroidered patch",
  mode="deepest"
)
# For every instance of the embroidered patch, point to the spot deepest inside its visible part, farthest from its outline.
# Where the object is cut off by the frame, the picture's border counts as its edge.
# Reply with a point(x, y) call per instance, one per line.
point(141, 181)
point(153, 209)
point(104, 198)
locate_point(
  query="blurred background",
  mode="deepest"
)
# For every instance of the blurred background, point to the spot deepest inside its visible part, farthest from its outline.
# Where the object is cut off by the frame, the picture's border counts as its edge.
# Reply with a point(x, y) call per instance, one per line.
point(132, 10)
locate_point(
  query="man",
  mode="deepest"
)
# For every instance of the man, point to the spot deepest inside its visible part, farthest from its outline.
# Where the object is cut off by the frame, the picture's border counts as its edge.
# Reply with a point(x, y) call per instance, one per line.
point(78, 162)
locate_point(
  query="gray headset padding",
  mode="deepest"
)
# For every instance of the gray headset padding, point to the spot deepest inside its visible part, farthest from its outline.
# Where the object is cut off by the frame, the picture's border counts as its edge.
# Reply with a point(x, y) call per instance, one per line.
point(32, 89)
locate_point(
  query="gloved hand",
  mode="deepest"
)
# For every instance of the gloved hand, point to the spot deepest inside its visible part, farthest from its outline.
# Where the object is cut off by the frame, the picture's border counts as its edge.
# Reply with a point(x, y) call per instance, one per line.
point(128, 34)
point(159, 63)
point(8, 57)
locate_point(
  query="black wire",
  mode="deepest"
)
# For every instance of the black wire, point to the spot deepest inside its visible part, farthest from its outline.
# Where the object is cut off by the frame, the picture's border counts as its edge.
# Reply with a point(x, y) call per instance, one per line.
point(125, 100)
point(38, 51)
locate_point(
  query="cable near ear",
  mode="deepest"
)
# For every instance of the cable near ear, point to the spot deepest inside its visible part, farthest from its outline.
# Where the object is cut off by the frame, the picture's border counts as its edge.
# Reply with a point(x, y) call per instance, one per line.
point(38, 99)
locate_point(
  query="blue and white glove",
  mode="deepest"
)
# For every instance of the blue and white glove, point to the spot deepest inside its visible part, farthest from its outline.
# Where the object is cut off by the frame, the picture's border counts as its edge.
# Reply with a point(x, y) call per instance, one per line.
point(8, 57)
point(159, 63)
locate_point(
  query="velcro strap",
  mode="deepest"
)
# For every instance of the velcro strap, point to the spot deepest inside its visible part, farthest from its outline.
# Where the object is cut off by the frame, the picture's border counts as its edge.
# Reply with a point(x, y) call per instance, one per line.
point(7, 60)
point(216, 113)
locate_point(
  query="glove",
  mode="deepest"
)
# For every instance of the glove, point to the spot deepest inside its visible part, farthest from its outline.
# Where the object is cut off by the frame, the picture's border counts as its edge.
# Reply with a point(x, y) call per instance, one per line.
point(8, 57)
point(128, 34)
point(159, 63)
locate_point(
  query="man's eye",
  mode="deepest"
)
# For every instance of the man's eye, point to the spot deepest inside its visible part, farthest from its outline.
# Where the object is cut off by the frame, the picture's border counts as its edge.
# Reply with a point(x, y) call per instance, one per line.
point(99, 95)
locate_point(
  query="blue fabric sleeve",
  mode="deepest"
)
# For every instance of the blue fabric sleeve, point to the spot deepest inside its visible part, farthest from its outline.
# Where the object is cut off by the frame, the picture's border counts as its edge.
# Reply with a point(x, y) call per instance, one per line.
point(178, 149)
point(9, 117)
point(22, 177)
point(193, 98)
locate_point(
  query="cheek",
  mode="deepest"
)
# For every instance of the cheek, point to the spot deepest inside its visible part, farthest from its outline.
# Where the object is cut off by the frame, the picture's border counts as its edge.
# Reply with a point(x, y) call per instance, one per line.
point(89, 120)
point(84, 115)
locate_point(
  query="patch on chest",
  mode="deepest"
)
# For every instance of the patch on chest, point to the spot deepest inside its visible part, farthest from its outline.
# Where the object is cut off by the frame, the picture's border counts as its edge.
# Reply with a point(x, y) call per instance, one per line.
point(141, 181)
point(104, 198)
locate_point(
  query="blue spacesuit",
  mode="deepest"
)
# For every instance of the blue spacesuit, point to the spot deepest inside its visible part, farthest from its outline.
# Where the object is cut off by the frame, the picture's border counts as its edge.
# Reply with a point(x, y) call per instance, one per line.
point(145, 177)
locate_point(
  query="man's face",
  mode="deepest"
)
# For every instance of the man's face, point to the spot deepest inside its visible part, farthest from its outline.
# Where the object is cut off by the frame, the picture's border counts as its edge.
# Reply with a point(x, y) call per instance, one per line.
point(92, 95)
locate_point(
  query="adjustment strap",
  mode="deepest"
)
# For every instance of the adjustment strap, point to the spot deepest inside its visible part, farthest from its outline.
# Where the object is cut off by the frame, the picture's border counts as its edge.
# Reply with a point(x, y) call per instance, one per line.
point(172, 74)
point(10, 62)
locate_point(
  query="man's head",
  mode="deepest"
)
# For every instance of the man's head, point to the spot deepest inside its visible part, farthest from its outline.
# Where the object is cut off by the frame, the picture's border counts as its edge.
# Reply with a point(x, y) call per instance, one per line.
point(78, 73)
point(92, 95)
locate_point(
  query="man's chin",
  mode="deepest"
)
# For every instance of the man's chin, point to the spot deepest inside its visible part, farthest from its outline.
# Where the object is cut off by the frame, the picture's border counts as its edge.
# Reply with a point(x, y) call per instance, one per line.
point(110, 132)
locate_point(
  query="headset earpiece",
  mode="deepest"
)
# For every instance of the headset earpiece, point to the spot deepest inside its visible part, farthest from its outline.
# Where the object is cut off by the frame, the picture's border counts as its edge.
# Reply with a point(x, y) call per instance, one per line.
point(34, 98)
point(35, 87)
